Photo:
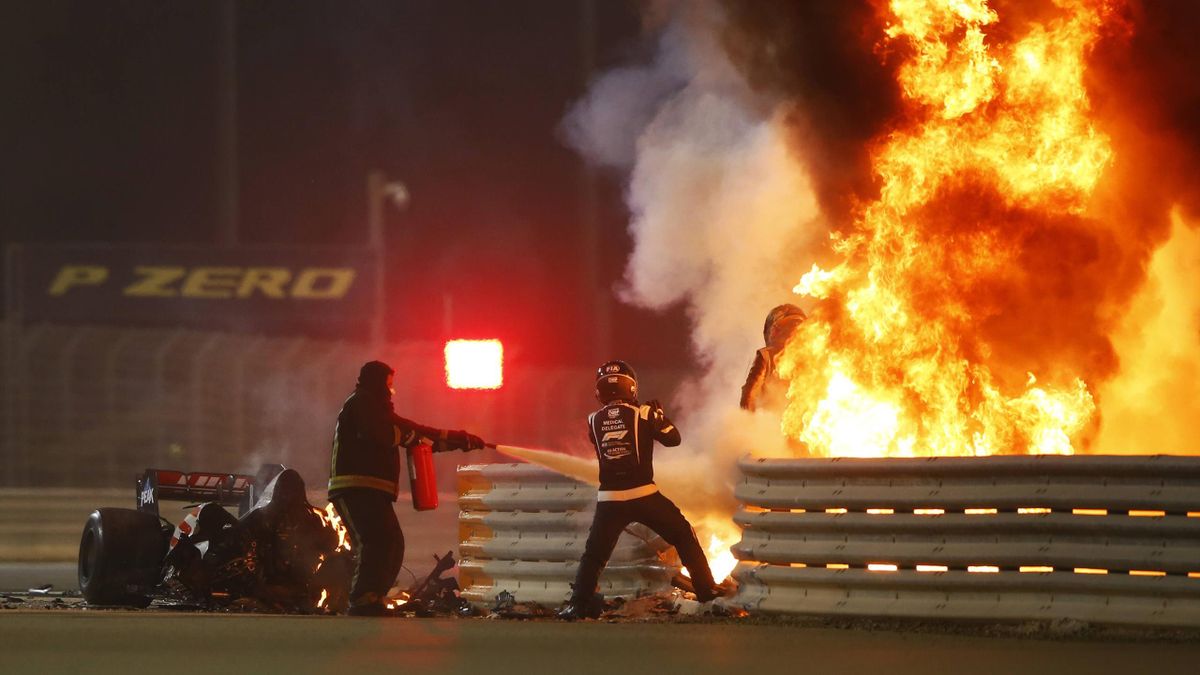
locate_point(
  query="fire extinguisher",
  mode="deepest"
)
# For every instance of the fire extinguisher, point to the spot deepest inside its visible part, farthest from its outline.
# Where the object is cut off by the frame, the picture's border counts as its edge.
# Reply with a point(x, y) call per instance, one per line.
point(421, 478)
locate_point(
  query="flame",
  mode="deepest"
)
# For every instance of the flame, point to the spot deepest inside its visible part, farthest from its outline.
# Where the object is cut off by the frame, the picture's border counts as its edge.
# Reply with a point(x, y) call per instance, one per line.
point(324, 597)
point(331, 519)
point(893, 362)
point(722, 534)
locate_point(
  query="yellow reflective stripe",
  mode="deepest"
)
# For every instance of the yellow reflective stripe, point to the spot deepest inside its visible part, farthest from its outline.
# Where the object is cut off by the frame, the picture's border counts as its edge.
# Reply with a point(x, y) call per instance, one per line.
point(626, 495)
point(352, 481)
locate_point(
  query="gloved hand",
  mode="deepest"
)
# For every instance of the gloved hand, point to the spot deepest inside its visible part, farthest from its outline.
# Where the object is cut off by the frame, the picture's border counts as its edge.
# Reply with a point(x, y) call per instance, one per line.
point(461, 440)
point(656, 410)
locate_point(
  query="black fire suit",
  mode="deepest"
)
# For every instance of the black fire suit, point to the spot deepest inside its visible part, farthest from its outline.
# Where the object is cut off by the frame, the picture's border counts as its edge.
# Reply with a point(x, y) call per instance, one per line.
point(624, 434)
point(365, 480)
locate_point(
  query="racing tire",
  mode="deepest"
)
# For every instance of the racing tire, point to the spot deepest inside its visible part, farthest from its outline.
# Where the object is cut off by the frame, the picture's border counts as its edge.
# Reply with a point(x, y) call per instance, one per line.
point(120, 557)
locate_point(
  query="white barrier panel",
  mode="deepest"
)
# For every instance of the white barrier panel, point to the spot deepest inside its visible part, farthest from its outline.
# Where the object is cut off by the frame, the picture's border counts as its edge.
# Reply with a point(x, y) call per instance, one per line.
point(522, 529)
point(1094, 538)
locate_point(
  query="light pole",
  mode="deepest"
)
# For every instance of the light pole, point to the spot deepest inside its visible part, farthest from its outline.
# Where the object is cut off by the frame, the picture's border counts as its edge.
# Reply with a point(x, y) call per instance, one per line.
point(379, 192)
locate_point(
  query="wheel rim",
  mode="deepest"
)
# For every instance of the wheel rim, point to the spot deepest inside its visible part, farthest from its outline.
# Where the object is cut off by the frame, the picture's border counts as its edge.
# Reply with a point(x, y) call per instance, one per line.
point(87, 556)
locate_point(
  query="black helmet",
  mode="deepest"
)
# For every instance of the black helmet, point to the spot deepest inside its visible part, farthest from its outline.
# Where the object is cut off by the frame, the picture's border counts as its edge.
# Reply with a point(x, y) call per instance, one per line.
point(783, 316)
point(616, 381)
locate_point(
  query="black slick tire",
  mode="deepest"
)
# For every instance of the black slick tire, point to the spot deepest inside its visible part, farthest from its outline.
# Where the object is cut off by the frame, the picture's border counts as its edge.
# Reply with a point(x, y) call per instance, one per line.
point(120, 557)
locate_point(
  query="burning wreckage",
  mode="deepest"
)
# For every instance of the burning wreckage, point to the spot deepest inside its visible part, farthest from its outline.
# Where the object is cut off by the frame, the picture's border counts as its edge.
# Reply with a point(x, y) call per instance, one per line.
point(280, 553)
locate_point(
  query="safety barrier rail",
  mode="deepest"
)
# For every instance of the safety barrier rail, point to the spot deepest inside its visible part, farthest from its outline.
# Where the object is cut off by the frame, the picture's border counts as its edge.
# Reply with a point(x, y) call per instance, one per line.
point(522, 529)
point(1111, 539)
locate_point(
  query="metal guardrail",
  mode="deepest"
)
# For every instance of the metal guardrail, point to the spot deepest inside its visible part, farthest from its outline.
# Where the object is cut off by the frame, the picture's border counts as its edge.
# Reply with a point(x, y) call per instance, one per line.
point(522, 529)
point(1095, 538)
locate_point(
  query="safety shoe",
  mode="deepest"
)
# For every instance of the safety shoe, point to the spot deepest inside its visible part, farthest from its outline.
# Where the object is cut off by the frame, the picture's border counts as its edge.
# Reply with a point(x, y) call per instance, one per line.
point(582, 609)
point(569, 612)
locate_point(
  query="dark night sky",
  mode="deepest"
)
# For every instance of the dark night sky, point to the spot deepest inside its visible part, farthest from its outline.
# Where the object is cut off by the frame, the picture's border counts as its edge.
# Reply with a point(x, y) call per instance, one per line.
point(109, 134)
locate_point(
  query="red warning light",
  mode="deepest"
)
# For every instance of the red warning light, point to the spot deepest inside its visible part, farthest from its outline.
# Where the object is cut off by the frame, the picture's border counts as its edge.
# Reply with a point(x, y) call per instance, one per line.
point(474, 364)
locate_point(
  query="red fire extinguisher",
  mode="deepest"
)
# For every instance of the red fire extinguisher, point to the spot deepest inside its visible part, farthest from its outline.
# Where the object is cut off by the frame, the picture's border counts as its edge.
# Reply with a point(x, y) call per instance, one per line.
point(421, 478)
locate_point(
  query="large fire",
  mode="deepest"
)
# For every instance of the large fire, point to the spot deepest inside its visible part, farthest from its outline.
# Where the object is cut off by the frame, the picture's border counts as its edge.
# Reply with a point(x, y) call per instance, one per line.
point(995, 141)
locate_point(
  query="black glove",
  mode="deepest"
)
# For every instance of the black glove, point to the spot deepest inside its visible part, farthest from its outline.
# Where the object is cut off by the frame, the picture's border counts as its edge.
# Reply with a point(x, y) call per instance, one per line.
point(461, 440)
point(656, 410)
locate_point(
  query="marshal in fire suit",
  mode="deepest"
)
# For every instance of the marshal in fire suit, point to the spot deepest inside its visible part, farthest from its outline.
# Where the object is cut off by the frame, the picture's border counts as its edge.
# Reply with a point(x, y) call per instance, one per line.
point(623, 433)
point(365, 480)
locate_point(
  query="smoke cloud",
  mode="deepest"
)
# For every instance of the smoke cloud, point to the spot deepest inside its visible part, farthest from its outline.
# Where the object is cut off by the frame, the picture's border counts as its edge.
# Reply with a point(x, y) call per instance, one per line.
point(720, 210)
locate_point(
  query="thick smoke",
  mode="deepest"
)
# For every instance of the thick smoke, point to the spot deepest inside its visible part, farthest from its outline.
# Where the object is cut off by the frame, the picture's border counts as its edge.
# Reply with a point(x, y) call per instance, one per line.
point(720, 211)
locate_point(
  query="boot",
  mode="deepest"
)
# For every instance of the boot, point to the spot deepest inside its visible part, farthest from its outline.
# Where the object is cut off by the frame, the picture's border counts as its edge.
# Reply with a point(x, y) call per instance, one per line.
point(581, 608)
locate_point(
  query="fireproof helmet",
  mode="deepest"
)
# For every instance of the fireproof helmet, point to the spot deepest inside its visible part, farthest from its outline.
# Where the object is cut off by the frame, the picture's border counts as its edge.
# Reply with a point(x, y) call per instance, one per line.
point(781, 321)
point(373, 375)
point(616, 381)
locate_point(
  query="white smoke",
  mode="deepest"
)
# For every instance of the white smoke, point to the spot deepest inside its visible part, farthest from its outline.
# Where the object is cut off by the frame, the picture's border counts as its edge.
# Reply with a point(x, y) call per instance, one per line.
point(722, 212)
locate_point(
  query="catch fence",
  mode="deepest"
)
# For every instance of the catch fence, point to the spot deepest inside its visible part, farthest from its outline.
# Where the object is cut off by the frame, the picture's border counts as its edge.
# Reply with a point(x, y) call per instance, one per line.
point(522, 529)
point(1094, 538)
point(93, 405)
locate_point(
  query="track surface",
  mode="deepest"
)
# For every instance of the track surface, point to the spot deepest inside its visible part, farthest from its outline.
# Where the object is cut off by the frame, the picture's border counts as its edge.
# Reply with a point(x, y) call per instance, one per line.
point(46, 641)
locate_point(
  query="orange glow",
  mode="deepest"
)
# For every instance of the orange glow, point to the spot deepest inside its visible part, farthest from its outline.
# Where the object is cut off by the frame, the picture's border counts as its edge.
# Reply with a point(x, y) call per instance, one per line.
point(1147, 514)
point(836, 566)
point(1090, 512)
point(474, 364)
point(1036, 568)
point(980, 512)
point(331, 519)
point(835, 510)
point(1146, 573)
point(1089, 570)
point(892, 361)
point(720, 559)
point(1033, 510)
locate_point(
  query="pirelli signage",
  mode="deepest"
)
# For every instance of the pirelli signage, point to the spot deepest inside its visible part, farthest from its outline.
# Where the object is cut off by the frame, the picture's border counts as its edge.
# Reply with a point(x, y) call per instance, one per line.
point(318, 291)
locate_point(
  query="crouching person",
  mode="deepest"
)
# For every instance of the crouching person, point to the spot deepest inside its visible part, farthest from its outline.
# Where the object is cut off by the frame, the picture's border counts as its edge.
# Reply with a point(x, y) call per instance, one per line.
point(365, 480)
point(623, 433)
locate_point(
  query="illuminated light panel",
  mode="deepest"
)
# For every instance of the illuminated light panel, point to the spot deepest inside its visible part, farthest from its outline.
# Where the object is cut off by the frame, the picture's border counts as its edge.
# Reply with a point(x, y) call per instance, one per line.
point(1193, 514)
point(754, 509)
point(1146, 573)
point(929, 512)
point(835, 510)
point(836, 566)
point(1194, 575)
point(881, 511)
point(797, 565)
point(1089, 570)
point(1035, 568)
point(932, 568)
point(1033, 510)
point(798, 511)
point(1090, 512)
point(474, 364)
point(1147, 514)
point(983, 569)
point(980, 512)
point(882, 567)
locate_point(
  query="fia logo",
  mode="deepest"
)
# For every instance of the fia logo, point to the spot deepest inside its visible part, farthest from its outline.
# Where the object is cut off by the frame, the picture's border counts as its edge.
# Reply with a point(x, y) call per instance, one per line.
point(614, 413)
point(612, 368)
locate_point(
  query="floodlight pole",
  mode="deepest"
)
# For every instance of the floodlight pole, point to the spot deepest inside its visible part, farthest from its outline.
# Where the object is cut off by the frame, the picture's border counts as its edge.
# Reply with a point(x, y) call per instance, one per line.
point(379, 192)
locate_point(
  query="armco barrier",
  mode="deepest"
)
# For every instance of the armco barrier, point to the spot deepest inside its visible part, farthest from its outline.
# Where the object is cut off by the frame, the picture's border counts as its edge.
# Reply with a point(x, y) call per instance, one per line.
point(522, 529)
point(1094, 538)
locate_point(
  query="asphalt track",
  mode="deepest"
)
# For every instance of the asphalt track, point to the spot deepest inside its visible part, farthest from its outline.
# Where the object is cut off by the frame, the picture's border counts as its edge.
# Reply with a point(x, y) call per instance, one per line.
point(48, 641)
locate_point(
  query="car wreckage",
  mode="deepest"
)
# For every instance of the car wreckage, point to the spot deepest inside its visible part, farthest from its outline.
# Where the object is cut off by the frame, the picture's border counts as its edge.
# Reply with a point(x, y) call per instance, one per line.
point(279, 553)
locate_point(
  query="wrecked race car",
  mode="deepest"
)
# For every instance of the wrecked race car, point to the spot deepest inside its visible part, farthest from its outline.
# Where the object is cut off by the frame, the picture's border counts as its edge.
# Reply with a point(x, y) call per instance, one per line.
point(280, 553)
